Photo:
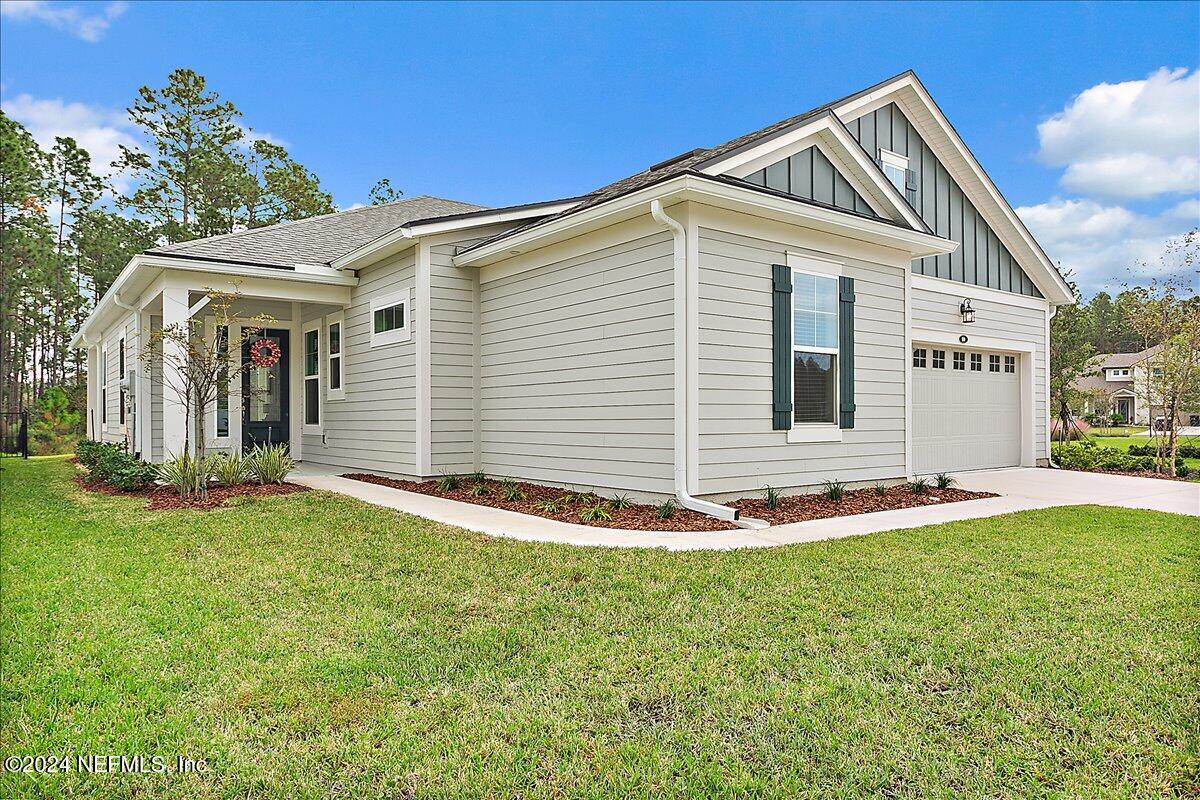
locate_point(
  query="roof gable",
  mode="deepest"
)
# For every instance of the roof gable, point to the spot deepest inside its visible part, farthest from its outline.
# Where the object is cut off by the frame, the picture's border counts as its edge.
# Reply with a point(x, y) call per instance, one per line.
point(811, 175)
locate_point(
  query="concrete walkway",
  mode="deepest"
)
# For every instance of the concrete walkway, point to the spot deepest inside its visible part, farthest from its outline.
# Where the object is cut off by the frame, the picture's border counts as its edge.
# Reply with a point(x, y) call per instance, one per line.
point(1021, 490)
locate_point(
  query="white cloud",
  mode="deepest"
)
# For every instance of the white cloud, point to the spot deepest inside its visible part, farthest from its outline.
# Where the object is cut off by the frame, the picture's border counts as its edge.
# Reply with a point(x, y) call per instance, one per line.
point(71, 18)
point(1107, 246)
point(1134, 139)
point(98, 130)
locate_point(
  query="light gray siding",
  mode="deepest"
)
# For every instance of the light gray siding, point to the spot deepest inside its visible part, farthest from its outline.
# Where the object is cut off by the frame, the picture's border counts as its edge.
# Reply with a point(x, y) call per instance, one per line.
point(981, 260)
point(453, 351)
point(577, 369)
point(374, 427)
point(809, 174)
point(739, 451)
point(112, 430)
point(939, 311)
point(156, 401)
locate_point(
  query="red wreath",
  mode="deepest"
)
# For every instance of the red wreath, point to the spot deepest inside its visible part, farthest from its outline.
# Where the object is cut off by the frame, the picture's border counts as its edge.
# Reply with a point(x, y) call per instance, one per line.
point(265, 353)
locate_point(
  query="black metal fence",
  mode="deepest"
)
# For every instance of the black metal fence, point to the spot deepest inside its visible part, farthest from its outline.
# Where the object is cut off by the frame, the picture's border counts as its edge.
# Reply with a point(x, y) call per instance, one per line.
point(14, 434)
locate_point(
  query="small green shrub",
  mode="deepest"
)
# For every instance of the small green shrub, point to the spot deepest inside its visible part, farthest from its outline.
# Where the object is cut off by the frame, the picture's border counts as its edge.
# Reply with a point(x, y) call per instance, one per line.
point(665, 509)
point(132, 475)
point(918, 485)
point(448, 483)
point(945, 480)
point(1183, 451)
point(185, 474)
point(270, 463)
point(479, 490)
point(510, 491)
point(619, 501)
point(110, 463)
point(577, 497)
point(477, 476)
point(595, 513)
point(881, 489)
point(771, 496)
point(229, 469)
point(833, 490)
point(552, 506)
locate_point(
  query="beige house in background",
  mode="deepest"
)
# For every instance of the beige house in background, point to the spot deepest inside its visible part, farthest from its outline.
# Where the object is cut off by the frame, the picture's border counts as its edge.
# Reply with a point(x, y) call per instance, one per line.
point(1118, 382)
point(844, 294)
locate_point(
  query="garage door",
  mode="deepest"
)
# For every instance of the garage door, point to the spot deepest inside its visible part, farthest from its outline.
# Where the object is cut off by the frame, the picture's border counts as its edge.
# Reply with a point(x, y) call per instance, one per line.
point(966, 409)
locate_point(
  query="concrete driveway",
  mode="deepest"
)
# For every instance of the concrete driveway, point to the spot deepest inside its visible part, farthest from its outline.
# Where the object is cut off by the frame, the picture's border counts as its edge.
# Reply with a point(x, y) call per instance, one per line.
point(1059, 487)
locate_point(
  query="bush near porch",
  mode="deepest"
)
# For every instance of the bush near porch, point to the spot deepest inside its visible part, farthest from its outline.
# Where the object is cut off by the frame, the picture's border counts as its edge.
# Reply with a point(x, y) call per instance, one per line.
point(311, 646)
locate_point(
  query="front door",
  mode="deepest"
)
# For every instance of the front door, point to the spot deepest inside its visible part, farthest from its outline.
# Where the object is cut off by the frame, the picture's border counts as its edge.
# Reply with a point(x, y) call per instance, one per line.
point(1123, 409)
point(265, 396)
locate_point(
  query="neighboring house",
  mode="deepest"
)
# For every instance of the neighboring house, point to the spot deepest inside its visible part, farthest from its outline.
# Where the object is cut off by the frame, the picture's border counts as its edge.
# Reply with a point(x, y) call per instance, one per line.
point(1117, 383)
point(842, 295)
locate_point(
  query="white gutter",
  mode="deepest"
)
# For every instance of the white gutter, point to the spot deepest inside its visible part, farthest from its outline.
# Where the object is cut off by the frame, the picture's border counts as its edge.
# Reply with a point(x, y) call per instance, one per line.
point(682, 340)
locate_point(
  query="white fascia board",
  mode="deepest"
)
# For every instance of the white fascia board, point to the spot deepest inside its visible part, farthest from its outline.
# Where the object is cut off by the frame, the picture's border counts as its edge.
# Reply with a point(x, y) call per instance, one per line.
point(829, 131)
point(907, 90)
point(309, 274)
point(715, 193)
point(406, 235)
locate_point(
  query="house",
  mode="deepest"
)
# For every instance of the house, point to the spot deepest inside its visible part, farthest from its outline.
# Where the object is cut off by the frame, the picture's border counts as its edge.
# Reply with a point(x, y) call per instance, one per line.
point(843, 294)
point(1118, 383)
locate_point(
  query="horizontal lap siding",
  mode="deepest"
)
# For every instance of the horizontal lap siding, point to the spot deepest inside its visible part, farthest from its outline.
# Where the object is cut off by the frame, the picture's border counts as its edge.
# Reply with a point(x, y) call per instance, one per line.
point(374, 427)
point(940, 311)
point(156, 400)
point(739, 451)
point(453, 293)
point(577, 370)
point(112, 430)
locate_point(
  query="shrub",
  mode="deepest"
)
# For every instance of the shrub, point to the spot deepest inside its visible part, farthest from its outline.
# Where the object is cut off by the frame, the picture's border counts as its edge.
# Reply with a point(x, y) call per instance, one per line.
point(89, 452)
point(577, 497)
point(833, 490)
point(1088, 457)
point(185, 474)
point(665, 509)
point(270, 463)
point(619, 501)
point(479, 489)
point(595, 513)
point(945, 480)
point(771, 497)
point(448, 483)
point(918, 485)
point(230, 469)
point(1187, 450)
point(131, 474)
point(552, 506)
point(510, 491)
point(477, 476)
point(881, 489)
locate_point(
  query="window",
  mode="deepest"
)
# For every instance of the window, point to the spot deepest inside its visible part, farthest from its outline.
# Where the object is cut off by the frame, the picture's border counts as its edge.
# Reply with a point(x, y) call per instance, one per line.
point(333, 350)
point(1010, 364)
point(390, 319)
point(960, 360)
point(993, 363)
point(222, 334)
point(104, 386)
point(976, 362)
point(894, 166)
point(121, 381)
point(939, 359)
point(918, 356)
point(814, 348)
point(312, 377)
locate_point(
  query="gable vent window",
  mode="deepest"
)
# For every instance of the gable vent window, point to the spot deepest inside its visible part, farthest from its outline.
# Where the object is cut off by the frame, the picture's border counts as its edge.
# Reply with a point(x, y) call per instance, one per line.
point(993, 363)
point(1010, 364)
point(960, 360)
point(939, 359)
point(895, 169)
point(919, 357)
point(976, 362)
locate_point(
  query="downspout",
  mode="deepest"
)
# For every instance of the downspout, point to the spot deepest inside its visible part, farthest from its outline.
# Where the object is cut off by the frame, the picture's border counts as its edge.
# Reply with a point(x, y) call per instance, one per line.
point(685, 499)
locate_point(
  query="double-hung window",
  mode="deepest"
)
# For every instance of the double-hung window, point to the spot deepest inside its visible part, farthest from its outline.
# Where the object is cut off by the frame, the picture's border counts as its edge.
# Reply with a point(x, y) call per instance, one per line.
point(390, 319)
point(222, 416)
point(121, 381)
point(103, 385)
point(312, 377)
point(334, 352)
point(814, 349)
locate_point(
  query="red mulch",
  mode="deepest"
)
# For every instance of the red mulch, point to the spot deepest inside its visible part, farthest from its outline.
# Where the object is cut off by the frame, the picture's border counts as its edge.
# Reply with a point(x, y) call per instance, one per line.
point(163, 498)
point(802, 507)
point(636, 517)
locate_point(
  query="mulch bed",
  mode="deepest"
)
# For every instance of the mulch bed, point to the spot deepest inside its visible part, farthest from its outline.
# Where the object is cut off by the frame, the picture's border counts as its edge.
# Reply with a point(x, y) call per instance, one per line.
point(636, 517)
point(164, 498)
point(802, 507)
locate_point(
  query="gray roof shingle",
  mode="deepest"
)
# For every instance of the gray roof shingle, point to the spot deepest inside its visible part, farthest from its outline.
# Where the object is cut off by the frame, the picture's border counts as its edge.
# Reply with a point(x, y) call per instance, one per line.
point(316, 240)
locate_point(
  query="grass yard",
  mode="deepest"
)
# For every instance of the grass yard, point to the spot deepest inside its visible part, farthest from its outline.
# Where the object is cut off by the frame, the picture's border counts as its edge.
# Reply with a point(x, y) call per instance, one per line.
point(310, 646)
point(1120, 430)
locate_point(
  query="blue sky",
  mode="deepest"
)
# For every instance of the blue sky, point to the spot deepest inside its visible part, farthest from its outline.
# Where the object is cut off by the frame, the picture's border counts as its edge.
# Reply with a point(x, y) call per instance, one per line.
point(507, 103)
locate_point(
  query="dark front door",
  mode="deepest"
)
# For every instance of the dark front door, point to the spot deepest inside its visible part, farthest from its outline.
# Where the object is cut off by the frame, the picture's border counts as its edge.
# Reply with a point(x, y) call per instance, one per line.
point(265, 397)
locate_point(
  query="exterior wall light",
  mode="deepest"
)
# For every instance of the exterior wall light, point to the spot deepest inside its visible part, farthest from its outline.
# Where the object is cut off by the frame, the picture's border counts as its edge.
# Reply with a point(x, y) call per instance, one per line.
point(968, 313)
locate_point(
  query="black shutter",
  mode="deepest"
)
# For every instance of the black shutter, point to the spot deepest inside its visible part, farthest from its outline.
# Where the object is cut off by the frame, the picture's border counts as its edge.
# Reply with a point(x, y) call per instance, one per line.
point(846, 352)
point(781, 347)
point(910, 187)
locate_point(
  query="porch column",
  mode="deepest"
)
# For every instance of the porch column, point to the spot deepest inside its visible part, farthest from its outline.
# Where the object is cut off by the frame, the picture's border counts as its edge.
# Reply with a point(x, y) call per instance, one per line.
point(296, 381)
point(174, 408)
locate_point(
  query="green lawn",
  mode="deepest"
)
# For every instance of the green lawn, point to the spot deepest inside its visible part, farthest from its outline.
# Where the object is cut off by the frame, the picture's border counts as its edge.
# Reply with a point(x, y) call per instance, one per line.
point(311, 646)
point(1120, 430)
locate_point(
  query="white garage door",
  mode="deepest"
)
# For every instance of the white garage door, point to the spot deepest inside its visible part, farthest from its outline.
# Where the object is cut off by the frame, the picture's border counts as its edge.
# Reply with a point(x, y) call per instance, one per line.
point(966, 409)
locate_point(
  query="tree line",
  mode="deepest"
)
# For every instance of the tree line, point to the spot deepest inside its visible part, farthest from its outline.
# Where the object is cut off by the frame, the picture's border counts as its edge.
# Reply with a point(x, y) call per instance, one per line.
point(66, 232)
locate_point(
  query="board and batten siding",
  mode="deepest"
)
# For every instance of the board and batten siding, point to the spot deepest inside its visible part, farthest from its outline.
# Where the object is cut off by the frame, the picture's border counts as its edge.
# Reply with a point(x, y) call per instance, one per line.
point(981, 259)
point(809, 174)
point(940, 311)
point(577, 368)
point(739, 451)
point(374, 427)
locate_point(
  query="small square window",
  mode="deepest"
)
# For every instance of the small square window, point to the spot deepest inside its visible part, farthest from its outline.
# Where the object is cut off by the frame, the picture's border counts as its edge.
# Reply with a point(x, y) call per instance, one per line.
point(390, 320)
point(918, 356)
point(976, 362)
point(960, 360)
point(1010, 363)
point(993, 363)
point(939, 359)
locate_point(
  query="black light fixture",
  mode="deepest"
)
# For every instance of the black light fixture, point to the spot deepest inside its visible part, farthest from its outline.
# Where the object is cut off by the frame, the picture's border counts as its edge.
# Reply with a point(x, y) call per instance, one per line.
point(968, 313)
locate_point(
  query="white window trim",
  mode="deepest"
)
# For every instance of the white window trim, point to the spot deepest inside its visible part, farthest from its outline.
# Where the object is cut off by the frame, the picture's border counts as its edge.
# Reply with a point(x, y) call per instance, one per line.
point(105, 423)
point(888, 158)
point(122, 414)
point(804, 432)
point(339, 319)
point(305, 427)
point(398, 335)
point(210, 331)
